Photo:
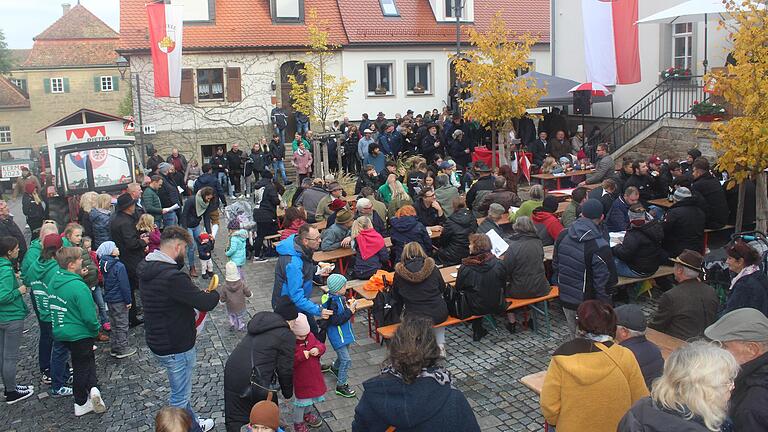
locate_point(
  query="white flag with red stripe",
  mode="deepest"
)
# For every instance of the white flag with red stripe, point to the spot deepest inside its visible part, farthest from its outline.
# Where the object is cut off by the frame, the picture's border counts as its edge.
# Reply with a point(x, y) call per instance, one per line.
point(611, 41)
point(165, 26)
point(525, 165)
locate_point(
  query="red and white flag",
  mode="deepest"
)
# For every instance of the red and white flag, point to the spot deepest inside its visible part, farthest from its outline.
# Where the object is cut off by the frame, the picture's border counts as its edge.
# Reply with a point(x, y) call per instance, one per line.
point(611, 43)
point(165, 26)
point(525, 165)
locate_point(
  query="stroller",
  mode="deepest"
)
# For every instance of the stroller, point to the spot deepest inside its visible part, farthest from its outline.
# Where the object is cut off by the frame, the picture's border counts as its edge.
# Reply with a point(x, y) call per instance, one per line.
point(716, 272)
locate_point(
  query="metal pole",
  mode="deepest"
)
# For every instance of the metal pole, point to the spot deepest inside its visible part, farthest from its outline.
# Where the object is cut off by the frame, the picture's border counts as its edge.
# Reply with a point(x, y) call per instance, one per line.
point(139, 128)
point(706, 27)
point(457, 12)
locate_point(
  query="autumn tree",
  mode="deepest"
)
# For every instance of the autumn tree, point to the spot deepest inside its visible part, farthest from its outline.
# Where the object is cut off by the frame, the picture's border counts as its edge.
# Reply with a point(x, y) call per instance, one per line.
point(489, 73)
point(318, 93)
point(6, 61)
point(743, 140)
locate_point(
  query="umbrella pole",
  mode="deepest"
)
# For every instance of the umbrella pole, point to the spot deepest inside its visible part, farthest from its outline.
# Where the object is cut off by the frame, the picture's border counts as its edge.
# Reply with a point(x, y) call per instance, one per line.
point(706, 27)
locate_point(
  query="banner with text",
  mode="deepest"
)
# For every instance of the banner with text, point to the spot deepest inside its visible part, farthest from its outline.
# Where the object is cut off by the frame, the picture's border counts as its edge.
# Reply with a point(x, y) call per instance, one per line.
point(165, 27)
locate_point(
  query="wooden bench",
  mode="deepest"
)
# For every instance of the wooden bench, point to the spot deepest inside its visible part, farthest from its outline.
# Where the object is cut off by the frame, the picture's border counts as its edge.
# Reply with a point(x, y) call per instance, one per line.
point(661, 272)
point(706, 235)
point(387, 332)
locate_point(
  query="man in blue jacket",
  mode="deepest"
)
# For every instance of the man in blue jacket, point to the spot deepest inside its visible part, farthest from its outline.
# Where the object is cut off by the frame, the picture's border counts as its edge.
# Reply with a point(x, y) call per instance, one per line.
point(617, 218)
point(582, 264)
point(295, 270)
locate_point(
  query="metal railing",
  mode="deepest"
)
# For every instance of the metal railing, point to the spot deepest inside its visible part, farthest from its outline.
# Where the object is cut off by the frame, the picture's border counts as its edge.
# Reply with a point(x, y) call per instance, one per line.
point(671, 98)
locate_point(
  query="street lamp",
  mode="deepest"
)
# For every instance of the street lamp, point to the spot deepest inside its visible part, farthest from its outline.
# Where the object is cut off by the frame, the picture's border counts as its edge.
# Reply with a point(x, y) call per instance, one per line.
point(122, 66)
point(457, 9)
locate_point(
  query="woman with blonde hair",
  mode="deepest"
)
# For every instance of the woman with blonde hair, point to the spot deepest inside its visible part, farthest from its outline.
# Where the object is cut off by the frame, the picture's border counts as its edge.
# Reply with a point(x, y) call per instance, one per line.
point(406, 227)
point(691, 396)
point(371, 254)
point(87, 203)
point(99, 218)
point(418, 286)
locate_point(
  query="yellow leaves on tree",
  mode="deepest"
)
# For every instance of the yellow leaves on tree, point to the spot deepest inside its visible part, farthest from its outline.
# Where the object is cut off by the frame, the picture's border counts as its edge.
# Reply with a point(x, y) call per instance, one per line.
point(490, 75)
point(316, 92)
point(743, 140)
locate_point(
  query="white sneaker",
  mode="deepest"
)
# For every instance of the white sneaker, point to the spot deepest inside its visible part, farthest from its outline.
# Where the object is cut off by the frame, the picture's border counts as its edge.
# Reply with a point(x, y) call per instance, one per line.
point(97, 403)
point(83, 409)
point(205, 424)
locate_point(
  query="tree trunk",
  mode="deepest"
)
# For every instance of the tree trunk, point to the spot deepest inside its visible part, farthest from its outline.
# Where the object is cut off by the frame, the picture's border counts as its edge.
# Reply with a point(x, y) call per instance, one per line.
point(493, 146)
point(761, 193)
point(740, 207)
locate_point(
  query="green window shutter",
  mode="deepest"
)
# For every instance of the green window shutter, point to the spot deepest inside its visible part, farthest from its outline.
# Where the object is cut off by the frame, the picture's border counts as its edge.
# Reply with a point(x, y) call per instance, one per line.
point(47, 85)
point(97, 84)
point(115, 83)
point(66, 85)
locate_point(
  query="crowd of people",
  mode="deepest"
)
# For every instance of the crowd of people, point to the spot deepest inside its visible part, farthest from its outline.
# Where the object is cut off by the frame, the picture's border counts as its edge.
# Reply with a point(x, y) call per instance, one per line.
point(407, 216)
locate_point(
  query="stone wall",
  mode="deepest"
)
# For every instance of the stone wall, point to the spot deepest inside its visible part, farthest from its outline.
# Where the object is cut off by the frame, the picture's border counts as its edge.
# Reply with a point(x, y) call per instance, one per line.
point(673, 140)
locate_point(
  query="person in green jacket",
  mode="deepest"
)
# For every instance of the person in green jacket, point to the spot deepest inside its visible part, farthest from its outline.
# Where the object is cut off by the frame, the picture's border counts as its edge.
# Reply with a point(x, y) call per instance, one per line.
point(75, 324)
point(527, 207)
point(387, 189)
point(150, 200)
point(572, 212)
point(13, 310)
point(36, 246)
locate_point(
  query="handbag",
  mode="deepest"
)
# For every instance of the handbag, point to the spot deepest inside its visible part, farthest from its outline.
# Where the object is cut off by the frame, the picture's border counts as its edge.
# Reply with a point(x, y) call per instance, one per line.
point(256, 390)
point(456, 300)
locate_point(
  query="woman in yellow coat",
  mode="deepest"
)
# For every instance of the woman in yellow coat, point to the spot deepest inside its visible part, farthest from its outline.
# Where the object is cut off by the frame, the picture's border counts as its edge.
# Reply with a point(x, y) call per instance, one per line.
point(591, 381)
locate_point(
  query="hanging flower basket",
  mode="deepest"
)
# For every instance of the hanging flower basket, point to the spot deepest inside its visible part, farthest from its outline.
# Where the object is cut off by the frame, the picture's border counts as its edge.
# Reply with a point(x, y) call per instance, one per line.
point(676, 74)
point(418, 88)
point(380, 90)
point(708, 118)
point(707, 111)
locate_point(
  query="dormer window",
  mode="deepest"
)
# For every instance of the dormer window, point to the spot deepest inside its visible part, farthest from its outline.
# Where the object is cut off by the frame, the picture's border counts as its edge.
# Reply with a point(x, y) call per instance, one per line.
point(388, 8)
point(450, 8)
point(287, 11)
point(200, 11)
point(446, 10)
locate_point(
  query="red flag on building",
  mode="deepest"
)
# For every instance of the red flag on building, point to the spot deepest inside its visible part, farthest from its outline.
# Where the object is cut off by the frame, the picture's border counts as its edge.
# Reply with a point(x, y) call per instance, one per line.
point(165, 26)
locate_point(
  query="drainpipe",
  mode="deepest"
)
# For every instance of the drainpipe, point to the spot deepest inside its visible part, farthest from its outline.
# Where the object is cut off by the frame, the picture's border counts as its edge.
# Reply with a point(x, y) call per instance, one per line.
point(552, 39)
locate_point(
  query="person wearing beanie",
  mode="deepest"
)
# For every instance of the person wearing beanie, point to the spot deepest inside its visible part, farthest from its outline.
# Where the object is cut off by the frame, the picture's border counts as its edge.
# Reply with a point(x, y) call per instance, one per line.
point(491, 223)
point(234, 295)
point(308, 382)
point(337, 235)
point(204, 251)
point(639, 254)
point(582, 265)
point(339, 331)
point(237, 243)
point(545, 219)
point(683, 224)
point(265, 416)
point(117, 295)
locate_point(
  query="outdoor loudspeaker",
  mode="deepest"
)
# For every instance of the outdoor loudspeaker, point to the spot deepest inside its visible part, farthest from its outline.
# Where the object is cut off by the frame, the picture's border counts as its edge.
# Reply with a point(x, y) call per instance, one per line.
point(582, 102)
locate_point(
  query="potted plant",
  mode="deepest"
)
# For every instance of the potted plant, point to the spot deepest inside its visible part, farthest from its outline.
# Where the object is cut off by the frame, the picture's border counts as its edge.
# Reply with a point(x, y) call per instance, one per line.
point(676, 73)
point(380, 90)
point(418, 88)
point(707, 111)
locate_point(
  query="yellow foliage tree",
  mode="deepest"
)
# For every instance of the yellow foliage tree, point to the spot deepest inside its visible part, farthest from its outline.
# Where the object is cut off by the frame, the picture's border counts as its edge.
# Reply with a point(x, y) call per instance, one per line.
point(317, 93)
point(490, 75)
point(743, 141)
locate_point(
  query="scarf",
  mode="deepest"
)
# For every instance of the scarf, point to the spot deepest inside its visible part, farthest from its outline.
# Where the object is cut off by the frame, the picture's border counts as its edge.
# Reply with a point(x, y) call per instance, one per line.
point(477, 259)
point(746, 271)
point(596, 337)
point(437, 373)
point(369, 242)
point(200, 205)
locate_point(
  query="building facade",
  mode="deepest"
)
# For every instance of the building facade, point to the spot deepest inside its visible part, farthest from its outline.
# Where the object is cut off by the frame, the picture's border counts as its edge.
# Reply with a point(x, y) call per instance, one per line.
point(70, 66)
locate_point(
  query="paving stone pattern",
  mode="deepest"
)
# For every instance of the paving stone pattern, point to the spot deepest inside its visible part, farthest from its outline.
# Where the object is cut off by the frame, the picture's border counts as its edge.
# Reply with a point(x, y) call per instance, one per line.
point(135, 388)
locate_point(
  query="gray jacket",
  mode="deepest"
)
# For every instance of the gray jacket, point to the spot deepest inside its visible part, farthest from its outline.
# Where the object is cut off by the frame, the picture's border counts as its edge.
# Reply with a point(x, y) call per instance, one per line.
point(310, 198)
point(603, 169)
point(524, 263)
point(332, 237)
point(445, 196)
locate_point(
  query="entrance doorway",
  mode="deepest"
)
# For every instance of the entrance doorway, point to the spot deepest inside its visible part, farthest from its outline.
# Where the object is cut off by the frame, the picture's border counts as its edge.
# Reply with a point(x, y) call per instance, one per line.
point(286, 70)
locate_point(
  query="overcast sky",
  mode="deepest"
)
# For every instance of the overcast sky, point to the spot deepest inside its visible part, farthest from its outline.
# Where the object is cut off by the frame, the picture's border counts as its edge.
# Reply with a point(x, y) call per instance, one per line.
point(24, 19)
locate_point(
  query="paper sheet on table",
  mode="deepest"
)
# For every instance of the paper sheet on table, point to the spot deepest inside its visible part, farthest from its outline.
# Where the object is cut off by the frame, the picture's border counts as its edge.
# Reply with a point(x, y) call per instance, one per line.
point(498, 245)
point(454, 275)
point(513, 210)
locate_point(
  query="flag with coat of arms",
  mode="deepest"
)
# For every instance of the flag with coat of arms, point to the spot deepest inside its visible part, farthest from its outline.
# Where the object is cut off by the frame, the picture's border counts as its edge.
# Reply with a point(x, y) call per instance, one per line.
point(165, 30)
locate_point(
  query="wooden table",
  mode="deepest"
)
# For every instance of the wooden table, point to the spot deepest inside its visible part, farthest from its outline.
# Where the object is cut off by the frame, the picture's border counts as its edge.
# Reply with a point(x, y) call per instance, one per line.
point(661, 202)
point(557, 178)
point(665, 342)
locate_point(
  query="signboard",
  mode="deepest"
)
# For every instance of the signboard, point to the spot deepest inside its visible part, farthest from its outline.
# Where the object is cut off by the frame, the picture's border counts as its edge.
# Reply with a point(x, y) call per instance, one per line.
point(12, 170)
point(90, 132)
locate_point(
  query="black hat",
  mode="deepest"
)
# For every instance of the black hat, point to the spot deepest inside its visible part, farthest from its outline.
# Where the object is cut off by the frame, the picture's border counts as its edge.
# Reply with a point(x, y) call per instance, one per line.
point(124, 201)
point(286, 309)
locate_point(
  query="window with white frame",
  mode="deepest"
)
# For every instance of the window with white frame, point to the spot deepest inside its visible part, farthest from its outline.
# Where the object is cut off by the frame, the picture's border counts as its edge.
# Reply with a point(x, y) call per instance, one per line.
point(20, 83)
point(388, 8)
point(450, 8)
point(682, 45)
point(106, 84)
point(418, 78)
point(379, 79)
point(57, 85)
point(5, 135)
point(210, 84)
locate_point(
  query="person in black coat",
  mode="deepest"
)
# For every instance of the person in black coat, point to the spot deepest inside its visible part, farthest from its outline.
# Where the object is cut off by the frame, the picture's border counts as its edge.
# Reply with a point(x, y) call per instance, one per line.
point(268, 350)
point(413, 392)
point(460, 148)
point(484, 183)
point(208, 179)
point(526, 130)
point(9, 228)
point(640, 253)
point(235, 165)
point(749, 288)
point(169, 194)
point(126, 237)
point(428, 210)
point(539, 149)
point(432, 144)
point(266, 202)
point(642, 180)
point(630, 333)
point(483, 279)
point(713, 193)
point(34, 208)
point(683, 224)
point(197, 210)
point(455, 236)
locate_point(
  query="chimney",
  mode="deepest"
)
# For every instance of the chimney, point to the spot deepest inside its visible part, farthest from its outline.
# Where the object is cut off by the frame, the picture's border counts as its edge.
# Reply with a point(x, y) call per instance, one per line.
point(65, 8)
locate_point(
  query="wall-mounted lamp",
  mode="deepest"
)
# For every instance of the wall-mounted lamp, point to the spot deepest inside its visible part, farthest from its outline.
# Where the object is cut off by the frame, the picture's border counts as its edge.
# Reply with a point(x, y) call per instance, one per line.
point(122, 66)
point(274, 86)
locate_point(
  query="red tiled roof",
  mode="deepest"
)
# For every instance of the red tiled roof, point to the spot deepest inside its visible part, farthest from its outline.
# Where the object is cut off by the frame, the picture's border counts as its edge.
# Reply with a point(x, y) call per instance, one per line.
point(78, 23)
point(237, 24)
point(19, 56)
point(11, 96)
point(417, 24)
point(50, 53)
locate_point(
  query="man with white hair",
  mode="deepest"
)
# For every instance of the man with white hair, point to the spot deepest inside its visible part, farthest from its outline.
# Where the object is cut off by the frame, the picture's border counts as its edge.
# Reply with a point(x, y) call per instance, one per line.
point(364, 144)
point(744, 333)
point(169, 194)
point(365, 208)
point(688, 308)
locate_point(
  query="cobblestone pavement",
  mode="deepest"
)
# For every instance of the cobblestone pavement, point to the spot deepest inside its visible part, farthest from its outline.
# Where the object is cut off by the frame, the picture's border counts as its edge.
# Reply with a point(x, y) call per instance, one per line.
point(135, 388)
